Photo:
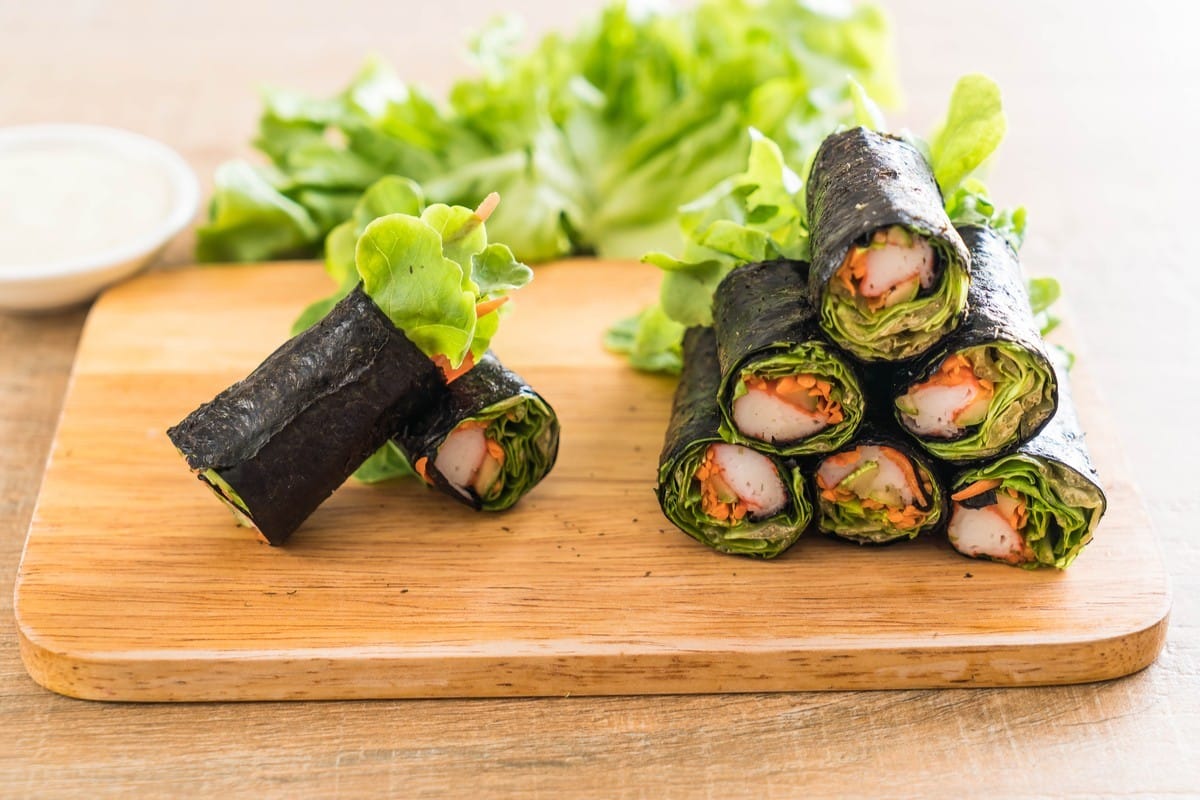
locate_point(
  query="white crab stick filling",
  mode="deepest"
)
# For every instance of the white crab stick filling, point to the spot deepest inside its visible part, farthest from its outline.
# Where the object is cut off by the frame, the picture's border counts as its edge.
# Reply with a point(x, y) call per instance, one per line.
point(984, 532)
point(886, 483)
point(768, 417)
point(752, 477)
point(461, 455)
point(897, 263)
point(937, 407)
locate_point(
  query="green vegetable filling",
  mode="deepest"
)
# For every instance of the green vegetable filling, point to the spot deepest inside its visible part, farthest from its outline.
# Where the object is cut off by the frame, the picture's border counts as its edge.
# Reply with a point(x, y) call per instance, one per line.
point(229, 497)
point(1022, 398)
point(905, 329)
point(527, 432)
point(766, 538)
point(862, 509)
point(808, 358)
point(1063, 508)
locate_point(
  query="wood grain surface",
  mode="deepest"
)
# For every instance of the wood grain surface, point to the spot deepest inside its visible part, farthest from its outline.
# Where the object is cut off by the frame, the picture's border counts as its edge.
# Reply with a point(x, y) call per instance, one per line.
point(136, 584)
point(1103, 111)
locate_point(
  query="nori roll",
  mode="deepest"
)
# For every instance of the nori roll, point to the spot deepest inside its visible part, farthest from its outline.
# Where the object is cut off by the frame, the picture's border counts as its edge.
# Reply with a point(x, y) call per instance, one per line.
point(783, 388)
point(990, 384)
point(1037, 506)
point(727, 496)
point(889, 272)
point(490, 441)
point(877, 488)
point(276, 444)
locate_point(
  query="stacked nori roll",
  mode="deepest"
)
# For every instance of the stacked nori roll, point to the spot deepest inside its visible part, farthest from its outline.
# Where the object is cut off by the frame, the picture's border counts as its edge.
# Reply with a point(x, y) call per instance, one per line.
point(492, 409)
point(902, 375)
point(276, 444)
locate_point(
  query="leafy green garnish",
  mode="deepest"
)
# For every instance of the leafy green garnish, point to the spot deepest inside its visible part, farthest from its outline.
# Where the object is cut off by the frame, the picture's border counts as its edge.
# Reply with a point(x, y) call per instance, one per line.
point(651, 340)
point(973, 129)
point(387, 463)
point(593, 138)
point(760, 213)
point(427, 268)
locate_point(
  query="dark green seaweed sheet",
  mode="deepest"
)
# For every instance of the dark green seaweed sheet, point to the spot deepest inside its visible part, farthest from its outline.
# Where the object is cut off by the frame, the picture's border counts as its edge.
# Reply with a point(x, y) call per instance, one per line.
point(862, 181)
point(1061, 440)
point(997, 311)
point(285, 437)
point(487, 383)
point(761, 310)
point(881, 430)
point(695, 423)
point(695, 416)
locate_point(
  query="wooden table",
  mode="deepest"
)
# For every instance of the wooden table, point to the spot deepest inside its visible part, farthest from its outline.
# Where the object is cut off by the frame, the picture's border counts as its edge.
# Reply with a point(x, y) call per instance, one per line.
point(1102, 106)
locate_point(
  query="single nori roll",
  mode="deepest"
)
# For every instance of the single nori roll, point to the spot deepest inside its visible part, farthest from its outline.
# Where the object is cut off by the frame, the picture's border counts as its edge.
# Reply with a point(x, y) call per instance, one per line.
point(1057, 466)
point(880, 430)
point(862, 182)
point(521, 421)
point(766, 326)
point(1001, 320)
point(276, 444)
point(695, 424)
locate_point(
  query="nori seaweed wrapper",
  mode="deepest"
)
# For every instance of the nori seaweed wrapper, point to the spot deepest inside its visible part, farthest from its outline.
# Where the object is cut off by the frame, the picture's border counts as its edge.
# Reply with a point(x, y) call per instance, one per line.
point(276, 444)
point(998, 314)
point(524, 423)
point(861, 182)
point(1061, 469)
point(880, 430)
point(764, 321)
point(695, 424)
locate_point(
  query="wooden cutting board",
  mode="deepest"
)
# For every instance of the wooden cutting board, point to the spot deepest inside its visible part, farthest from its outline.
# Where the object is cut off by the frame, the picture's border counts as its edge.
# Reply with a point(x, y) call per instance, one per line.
point(136, 585)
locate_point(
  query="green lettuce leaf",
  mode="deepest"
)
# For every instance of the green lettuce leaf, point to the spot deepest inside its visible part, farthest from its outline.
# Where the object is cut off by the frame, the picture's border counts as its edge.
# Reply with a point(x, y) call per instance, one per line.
point(593, 137)
point(973, 129)
point(651, 340)
point(251, 220)
point(424, 293)
point(387, 463)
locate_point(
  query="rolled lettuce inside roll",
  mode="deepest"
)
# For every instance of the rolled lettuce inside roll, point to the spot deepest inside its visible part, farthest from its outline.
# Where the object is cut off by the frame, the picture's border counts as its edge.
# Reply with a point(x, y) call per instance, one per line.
point(802, 399)
point(990, 384)
point(734, 499)
point(783, 388)
point(1024, 510)
point(875, 493)
point(730, 497)
point(979, 401)
point(889, 274)
point(895, 295)
point(491, 442)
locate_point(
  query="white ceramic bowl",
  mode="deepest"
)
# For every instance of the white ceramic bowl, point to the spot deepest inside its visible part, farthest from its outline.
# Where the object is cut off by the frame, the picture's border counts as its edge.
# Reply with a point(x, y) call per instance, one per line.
point(30, 287)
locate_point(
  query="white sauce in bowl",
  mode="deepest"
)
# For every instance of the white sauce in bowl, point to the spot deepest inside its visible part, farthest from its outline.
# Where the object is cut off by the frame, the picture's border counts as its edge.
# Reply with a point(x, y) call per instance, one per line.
point(67, 201)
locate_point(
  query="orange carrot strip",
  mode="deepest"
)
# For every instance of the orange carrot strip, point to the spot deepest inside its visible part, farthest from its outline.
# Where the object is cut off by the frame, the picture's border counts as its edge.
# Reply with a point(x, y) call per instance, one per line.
point(976, 488)
point(421, 466)
point(453, 373)
point(487, 206)
point(488, 306)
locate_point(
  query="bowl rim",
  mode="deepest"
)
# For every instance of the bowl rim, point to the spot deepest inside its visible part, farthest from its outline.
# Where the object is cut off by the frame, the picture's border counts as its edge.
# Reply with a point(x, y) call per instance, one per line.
point(185, 190)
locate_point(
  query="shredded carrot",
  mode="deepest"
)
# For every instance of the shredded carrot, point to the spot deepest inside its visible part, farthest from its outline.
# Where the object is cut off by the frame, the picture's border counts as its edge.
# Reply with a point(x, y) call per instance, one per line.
point(975, 489)
point(487, 206)
point(806, 393)
point(488, 306)
point(853, 268)
point(908, 517)
point(712, 482)
point(421, 465)
point(910, 475)
point(453, 373)
point(495, 450)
